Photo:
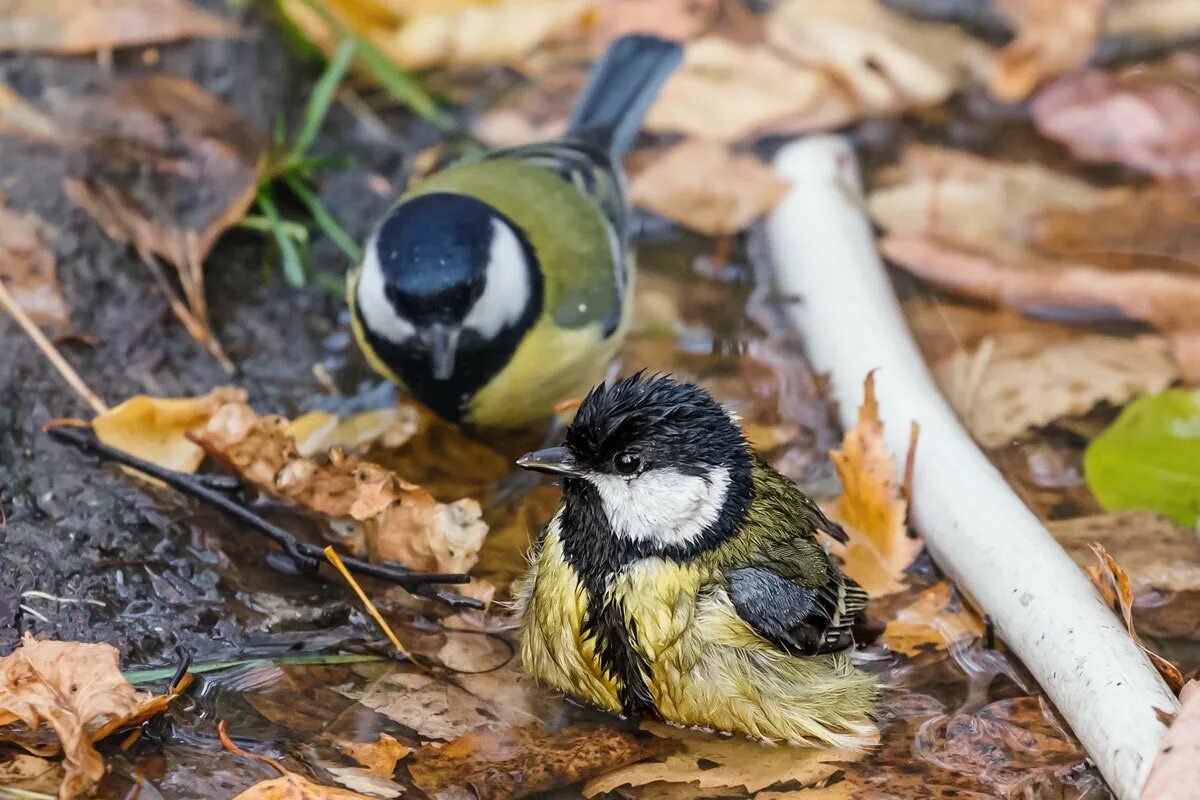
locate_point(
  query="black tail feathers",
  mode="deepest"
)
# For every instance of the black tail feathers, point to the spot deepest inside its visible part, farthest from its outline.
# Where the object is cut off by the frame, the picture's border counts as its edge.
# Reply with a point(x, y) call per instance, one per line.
point(620, 90)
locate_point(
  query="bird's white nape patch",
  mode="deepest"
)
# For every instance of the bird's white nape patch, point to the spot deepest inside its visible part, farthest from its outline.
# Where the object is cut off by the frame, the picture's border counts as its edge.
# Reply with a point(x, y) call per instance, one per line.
point(380, 316)
point(506, 292)
point(663, 505)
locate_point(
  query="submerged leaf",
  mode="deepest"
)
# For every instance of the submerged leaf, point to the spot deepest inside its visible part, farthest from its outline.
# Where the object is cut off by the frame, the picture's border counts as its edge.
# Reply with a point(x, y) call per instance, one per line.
point(379, 757)
point(1150, 457)
point(937, 619)
point(84, 26)
point(499, 763)
point(78, 691)
point(291, 786)
point(1162, 560)
point(707, 188)
point(871, 506)
point(714, 762)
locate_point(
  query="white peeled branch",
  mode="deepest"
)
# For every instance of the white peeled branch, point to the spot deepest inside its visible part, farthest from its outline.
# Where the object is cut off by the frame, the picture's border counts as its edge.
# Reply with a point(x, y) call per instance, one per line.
point(976, 528)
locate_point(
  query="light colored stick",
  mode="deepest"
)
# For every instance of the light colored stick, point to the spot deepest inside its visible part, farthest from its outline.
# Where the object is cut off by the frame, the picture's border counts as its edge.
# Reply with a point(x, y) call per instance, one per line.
point(9, 304)
point(978, 531)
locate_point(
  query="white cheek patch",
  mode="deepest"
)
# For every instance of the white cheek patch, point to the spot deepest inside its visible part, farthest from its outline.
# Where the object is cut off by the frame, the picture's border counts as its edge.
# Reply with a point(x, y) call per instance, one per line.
point(381, 318)
point(662, 505)
point(506, 293)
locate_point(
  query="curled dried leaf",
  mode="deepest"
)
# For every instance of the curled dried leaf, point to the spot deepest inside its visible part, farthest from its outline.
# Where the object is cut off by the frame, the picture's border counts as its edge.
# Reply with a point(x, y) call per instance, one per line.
point(936, 619)
point(28, 269)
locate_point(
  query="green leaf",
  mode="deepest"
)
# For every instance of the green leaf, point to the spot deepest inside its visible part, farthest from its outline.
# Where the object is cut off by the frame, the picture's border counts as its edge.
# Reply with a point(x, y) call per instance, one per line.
point(293, 265)
point(323, 218)
point(322, 97)
point(1150, 457)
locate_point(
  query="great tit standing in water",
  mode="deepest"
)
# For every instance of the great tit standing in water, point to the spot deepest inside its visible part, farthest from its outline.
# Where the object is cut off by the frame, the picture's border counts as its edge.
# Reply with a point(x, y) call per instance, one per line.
point(501, 285)
point(682, 577)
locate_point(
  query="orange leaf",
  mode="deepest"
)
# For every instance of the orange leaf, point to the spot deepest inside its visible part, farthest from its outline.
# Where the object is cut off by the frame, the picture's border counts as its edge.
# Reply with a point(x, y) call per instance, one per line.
point(872, 507)
point(1114, 586)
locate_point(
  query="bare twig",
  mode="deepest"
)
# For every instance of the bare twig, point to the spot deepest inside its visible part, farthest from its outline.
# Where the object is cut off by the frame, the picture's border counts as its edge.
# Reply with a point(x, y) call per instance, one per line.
point(9, 304)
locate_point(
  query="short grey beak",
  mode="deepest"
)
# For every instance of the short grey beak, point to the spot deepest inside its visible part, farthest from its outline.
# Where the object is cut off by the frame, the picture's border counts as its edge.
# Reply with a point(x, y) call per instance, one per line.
point(441, 340)
point(552, 461)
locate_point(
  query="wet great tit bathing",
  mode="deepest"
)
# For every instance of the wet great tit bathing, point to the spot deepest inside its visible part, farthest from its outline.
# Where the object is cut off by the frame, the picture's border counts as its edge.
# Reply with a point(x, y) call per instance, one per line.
point(682, 577)
point(501, 285)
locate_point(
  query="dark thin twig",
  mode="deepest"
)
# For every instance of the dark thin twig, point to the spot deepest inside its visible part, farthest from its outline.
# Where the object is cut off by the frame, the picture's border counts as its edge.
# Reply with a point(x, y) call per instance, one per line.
point(306, 556)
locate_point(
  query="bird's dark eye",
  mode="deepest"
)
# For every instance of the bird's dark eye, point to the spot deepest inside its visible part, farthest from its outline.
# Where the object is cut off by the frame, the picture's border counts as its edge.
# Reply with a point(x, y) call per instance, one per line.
point(627, 463)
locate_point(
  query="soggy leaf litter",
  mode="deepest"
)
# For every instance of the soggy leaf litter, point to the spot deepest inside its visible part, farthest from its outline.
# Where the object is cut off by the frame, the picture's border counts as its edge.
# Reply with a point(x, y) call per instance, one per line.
point(963, 721)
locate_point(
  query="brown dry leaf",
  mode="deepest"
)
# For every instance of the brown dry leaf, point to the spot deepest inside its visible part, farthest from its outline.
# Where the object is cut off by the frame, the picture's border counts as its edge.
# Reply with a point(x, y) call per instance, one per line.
point(1165, 20)
point(482, 35)
point(19, 116)
point(1053, 37)
point(166, 167)
point(670, 19)
point(360, 780)
point(715, 762)
point(378, 757)
point(888, 62)
point(30, 773)
point(764, 87)
point(84, 26)
point(156, 429)
point(399, 521)
point(871, 506)
point(1114, 587)
point(1176, 770)
point(495, 763)
point(28, 270)
point(702, 185)
point(937, 618)
point(1015, 382)
point(1161, 558)
point(78, 691)
point(291, 786)
point(1154, 227)
point(1145, 118)
point(320, 431)
point(513, 530)
point(943, 327)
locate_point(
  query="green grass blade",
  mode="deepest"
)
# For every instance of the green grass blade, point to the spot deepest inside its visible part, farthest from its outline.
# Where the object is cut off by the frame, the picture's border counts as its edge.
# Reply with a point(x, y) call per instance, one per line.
point(323, 218)
point(293, 266)
point(263, 225)
point(399, 83)
point(322, 97)
point(140, 676)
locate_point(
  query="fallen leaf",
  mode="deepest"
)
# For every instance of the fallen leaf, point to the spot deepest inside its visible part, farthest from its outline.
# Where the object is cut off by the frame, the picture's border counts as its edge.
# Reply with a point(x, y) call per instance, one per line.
point(483, 34)
point(513, 528)
point(78, 691)
point(670, 19)
point(887, 61)
point(1165, 20)
point(291, 786)
point(1053, 37)
point(496, 763)
point(1161, 559)
point(166, 167)
point(398, 520)
point(1114, 586)
point(714, 761)
point(366, 782)
point(320, 431)
point(1015, 382)
point(1149, 228)
point(29, 773)
point(944, 327)
point(937, 619)
point(1145, 118)
point(765, 88)
point(1176, 768)
point(1149, 458)
point(28, 270)
point(378, 757)
point(84, 26)
point(21, 117)
point(703, 186)
point(156, 429)
point(871, 506)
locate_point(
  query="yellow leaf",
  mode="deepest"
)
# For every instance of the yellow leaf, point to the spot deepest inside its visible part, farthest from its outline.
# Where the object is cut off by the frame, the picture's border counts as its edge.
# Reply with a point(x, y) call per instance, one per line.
point(378, 757)
point(931, 619)
point(871, 506)
point(78, 691)
point(156, 429)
